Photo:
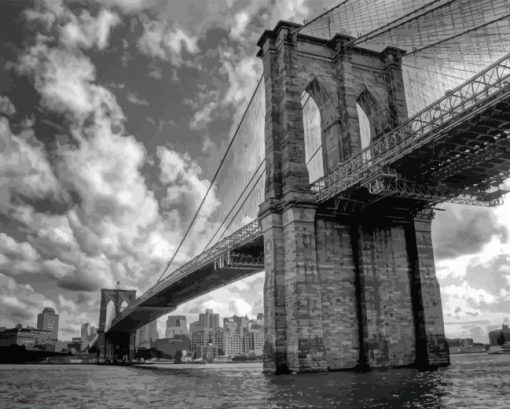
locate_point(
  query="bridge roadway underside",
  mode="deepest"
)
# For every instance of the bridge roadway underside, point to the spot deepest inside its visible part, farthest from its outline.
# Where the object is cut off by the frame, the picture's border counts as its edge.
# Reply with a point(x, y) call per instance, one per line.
point(471, 152)
point(239, 263)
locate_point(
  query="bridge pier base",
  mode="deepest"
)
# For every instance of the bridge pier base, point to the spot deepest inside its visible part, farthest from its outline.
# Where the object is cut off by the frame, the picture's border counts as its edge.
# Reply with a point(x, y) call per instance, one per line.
point(116, 347)
point(294, 335)
point(342, 295)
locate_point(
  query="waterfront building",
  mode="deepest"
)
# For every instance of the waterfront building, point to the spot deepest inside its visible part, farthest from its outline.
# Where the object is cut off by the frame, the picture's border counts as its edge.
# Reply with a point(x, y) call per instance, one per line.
point(260, 319)
point(146, 334)
point(219, 341)
point(253, 342)
point(88, 332)
point(169, 347)
point(176, 325)
point(47, 320)
point(207, 352)
point(242, 322)
point(500, 336)
point(209, 320)
point(233, 344)
point(230, 325)
point(194, 327)
point(28, 337)
point(199, 339)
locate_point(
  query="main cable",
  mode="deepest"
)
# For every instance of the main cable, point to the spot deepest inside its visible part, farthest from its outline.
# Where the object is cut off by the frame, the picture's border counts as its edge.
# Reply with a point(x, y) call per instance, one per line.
point(212, 181)
point(235, 204)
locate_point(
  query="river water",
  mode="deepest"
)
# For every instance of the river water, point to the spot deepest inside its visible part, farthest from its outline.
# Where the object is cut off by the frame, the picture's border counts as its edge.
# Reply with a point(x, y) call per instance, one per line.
point(472, 381)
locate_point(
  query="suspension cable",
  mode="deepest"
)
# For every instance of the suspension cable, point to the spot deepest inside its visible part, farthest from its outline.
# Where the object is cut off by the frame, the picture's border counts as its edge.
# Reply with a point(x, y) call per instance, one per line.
point(212, 181)
point(234, 205)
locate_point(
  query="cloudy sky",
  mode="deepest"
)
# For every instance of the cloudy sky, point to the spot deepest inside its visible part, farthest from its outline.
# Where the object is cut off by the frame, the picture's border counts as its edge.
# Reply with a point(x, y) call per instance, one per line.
point(113, 117)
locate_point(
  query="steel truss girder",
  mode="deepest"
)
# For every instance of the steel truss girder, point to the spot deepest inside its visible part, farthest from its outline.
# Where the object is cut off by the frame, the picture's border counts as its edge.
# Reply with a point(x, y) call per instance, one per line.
point(245, 234)
point(487, 88)
point(434, 194)
point(478, 154)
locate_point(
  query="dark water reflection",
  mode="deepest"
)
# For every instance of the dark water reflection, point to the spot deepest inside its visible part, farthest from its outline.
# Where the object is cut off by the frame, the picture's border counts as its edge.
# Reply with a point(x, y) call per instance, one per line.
point(472, 381)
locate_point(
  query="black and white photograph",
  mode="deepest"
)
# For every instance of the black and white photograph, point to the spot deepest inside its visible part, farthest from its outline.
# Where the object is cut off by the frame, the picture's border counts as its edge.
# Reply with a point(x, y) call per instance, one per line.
point(254, 204)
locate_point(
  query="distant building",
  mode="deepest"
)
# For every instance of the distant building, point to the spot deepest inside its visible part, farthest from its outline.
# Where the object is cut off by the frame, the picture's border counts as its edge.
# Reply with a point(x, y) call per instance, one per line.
point(209, 320)
point(47, 320)
point(201, 338)
point(88, 332)
point(219, 341)
point(233, 344)
point(168, 347)
point(500, 336)
point(28, 337)
point(194, 327)
point(176, 325)
point(460, 342)
point(146, 334)
point(230, 325)
point(254, 343)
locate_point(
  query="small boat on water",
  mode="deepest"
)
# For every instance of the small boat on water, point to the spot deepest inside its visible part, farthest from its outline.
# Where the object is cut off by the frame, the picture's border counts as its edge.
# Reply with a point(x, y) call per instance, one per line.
point(500, 349)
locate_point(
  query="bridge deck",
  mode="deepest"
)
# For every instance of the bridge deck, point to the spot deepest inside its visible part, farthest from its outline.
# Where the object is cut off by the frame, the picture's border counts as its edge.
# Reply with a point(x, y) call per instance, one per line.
point(460, 142)
point(237, 256)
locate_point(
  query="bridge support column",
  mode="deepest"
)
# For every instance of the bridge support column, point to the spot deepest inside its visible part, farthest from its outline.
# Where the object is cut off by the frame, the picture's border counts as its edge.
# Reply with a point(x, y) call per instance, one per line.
point(292, 292)
point(116, 347)
point(385, 299)
point(432, 349)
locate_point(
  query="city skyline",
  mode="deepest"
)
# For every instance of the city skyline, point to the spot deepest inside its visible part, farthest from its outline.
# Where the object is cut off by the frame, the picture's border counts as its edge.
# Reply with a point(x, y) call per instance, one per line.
point(75, 217)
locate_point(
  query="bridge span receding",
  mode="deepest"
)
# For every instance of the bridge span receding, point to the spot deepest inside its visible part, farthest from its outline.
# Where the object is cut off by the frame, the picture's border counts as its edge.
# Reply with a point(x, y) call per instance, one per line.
point(350, 276)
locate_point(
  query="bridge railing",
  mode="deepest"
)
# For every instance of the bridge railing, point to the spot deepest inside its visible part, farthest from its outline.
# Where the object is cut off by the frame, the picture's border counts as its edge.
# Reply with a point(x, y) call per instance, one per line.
point(244, 235)
point(417, 130)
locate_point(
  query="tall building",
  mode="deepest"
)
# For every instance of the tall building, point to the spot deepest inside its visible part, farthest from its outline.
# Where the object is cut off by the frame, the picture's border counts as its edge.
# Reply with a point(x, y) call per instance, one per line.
point(202, 342)
point(500, 336)
point(87, 332)
point(209, 320)
point(229, 325)
point(176, 325)
point(194, 327)
point(146, 334)
point(47, 320)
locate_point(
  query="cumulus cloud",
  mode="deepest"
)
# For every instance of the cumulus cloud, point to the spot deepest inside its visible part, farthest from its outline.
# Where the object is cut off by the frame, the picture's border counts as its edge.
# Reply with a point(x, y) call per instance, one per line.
point(17, 257)
point(24, 167)
point(241, 21)
point(135, 99)
point(185, 188)
point(20, 302)
point(65, 81)
point(115, 228)
point(87, 31)
point(168, 43)
point(6, 106)
point(244, 297)
point(242, 74)
point(83, 30)
point(129, 6)
point(464, 230)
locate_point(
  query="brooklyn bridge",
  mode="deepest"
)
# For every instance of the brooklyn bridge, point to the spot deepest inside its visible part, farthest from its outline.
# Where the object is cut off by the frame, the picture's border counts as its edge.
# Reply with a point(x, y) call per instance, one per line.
point(364, 120)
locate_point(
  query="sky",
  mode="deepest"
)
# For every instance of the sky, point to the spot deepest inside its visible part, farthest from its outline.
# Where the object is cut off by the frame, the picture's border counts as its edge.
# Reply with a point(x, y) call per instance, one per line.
point(113, 117)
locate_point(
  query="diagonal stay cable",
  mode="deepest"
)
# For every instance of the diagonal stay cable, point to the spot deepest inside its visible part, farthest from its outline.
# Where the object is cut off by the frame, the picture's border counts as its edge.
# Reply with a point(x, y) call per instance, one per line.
point(321, 15)
point(399, 21)
point(237, 201)
point(242, 204)
point(212, 181)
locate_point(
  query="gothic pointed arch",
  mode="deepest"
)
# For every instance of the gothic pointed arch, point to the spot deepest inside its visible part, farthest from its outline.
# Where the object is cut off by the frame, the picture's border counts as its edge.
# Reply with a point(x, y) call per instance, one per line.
point(321, 128)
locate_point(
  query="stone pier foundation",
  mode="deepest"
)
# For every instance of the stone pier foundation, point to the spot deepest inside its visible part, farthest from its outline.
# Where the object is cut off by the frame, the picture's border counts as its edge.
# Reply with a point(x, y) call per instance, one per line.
point(342, 296)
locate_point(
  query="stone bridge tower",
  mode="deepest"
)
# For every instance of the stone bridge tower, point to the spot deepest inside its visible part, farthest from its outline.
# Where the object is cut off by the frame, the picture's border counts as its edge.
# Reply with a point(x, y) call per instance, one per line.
point(342, 289)
point(112, 346)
